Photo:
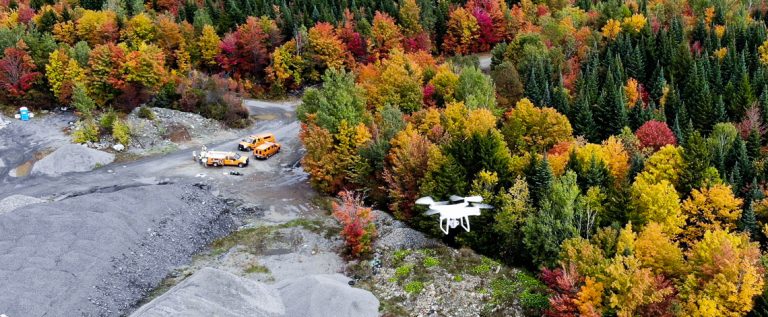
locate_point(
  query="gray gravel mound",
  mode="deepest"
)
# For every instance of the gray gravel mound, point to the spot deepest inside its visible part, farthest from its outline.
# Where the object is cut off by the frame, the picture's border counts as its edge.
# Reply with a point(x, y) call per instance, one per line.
point(212, 292)
point(13, 202)
point(326, 296)
point(395, 235)
point(71, 158)
point(98, 254)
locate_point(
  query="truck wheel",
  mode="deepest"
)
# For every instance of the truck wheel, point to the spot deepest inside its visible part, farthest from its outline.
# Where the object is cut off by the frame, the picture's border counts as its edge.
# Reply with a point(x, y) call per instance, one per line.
point(215, 164)
point(240, 165)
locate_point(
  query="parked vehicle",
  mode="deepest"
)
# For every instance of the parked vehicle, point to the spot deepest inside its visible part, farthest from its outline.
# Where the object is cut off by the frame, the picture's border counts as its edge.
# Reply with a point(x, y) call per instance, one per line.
point(252, 141)
point(266, 150)
point(219, 158)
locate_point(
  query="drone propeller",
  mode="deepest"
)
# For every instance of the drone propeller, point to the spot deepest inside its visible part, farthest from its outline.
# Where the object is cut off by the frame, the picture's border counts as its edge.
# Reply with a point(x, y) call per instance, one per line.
point(473, 199)
point(482, 206)
point(455, 198)
point(425, 201)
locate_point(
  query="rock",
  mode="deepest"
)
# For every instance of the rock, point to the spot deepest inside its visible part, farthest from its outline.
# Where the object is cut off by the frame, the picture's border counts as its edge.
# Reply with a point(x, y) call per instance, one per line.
point(326, 295)
point(71, 158)
point(14, 202)
point(97, 254)
point(118, 147)
point(212, 292)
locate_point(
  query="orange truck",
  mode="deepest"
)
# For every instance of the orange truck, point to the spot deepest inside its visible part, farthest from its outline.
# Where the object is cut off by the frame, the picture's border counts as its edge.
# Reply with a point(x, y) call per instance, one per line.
point(252, 141)
point(266, 150)
point(220, 158)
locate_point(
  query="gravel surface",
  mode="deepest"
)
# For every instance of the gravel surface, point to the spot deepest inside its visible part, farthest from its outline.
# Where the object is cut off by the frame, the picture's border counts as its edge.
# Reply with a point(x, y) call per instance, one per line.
point(394, 235)
point(326, 295)
point(171, 127)
point(212, 292)
point(71, 158)
point(98, 254)
point(13, 202)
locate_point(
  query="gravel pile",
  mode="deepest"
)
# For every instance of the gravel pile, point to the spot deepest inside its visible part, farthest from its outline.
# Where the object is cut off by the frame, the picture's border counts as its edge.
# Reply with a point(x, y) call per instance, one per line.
point(326, 295)
point(14, 202)
point(170, 126)
point(98, 254)
point(395, 235)
point(71, 158)
point(212, 292)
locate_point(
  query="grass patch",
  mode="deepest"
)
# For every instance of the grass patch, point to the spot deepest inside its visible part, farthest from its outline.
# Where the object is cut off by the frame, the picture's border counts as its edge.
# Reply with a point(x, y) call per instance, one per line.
point(430, 262)
point(253, 239)
point(530, 293)
point(484, 267)
point(458, 278)
point(414, 287)
point(399, 256)
point(256, 268)
point(403, 271)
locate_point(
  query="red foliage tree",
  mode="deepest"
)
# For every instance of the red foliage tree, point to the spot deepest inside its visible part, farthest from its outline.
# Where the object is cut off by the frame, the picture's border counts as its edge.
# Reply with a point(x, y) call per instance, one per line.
point(564, 283)
point(358, 229)
point(246, 52)
point(655, 134)
point(352, 39)
point(487, 36)
point(17, 72)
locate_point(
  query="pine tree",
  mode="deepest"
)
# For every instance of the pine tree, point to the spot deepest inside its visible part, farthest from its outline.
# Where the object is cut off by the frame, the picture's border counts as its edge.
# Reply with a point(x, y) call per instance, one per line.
point(697, 159)
point(753, 145)
point(540, 177)
point(582, 120)
point(611, 112)
point(748, 221)
point(697, 96)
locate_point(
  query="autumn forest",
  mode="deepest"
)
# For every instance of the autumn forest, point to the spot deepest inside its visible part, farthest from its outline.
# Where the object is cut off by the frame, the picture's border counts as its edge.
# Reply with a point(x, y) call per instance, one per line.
point(621, 142)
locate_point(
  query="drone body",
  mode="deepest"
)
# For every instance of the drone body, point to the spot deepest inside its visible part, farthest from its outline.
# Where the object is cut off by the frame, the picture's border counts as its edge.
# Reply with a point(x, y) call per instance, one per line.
point(454, 212)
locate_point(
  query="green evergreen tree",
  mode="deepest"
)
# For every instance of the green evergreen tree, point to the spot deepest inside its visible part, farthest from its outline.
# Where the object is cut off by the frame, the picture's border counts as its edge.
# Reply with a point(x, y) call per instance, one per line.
point(539, 177)
point(697, 159)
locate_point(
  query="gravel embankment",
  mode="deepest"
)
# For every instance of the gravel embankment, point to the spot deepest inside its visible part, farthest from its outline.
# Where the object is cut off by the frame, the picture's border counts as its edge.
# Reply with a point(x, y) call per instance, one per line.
point(98, 254)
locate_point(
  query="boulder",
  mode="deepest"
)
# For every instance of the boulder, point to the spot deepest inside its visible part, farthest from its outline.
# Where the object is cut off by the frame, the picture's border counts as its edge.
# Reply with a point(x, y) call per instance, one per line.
point(326, 295)
point(71, 158)
point(118, 147)
point(213, 292)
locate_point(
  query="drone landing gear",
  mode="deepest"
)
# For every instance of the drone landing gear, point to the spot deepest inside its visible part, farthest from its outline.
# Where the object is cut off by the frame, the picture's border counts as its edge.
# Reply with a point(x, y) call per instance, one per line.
point(452, 223)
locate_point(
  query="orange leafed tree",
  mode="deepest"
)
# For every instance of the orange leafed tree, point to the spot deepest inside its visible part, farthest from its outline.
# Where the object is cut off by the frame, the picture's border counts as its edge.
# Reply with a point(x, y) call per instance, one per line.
point(385, 36)
point(462, 32)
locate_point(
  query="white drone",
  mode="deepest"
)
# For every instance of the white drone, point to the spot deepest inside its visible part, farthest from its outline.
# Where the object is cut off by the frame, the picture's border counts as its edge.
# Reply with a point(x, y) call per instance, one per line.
point(456, 211)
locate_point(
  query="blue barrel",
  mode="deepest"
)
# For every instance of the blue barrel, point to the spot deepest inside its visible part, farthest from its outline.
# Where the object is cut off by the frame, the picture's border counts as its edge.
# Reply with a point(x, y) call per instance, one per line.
point(24, 114)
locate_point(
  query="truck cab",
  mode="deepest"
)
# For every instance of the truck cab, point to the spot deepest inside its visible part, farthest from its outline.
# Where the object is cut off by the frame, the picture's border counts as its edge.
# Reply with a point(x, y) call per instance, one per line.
point(217, 158)
point(266, 150)
point(252, 141)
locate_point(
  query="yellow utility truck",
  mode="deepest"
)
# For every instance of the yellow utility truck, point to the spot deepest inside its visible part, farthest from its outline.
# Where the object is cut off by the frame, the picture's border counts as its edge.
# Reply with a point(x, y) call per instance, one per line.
point(266, 150)
point(220, 158)
point(252, 141)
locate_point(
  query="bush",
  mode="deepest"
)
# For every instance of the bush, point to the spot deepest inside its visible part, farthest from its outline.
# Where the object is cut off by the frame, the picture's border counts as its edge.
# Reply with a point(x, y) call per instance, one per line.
point(121, 132)
point(431, 262)
point(146, 113)
point(88, 132)
point(414, 287)
point(358, 230)
point(107, 119)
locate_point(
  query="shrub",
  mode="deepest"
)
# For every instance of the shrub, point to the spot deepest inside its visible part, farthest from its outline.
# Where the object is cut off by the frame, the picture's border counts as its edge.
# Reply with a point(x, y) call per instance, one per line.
point(358, 230)
point(146, 113)
point(121, 132)
point(431, 261)
point(414, 287)
point(107, 119)
point(88, 132)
